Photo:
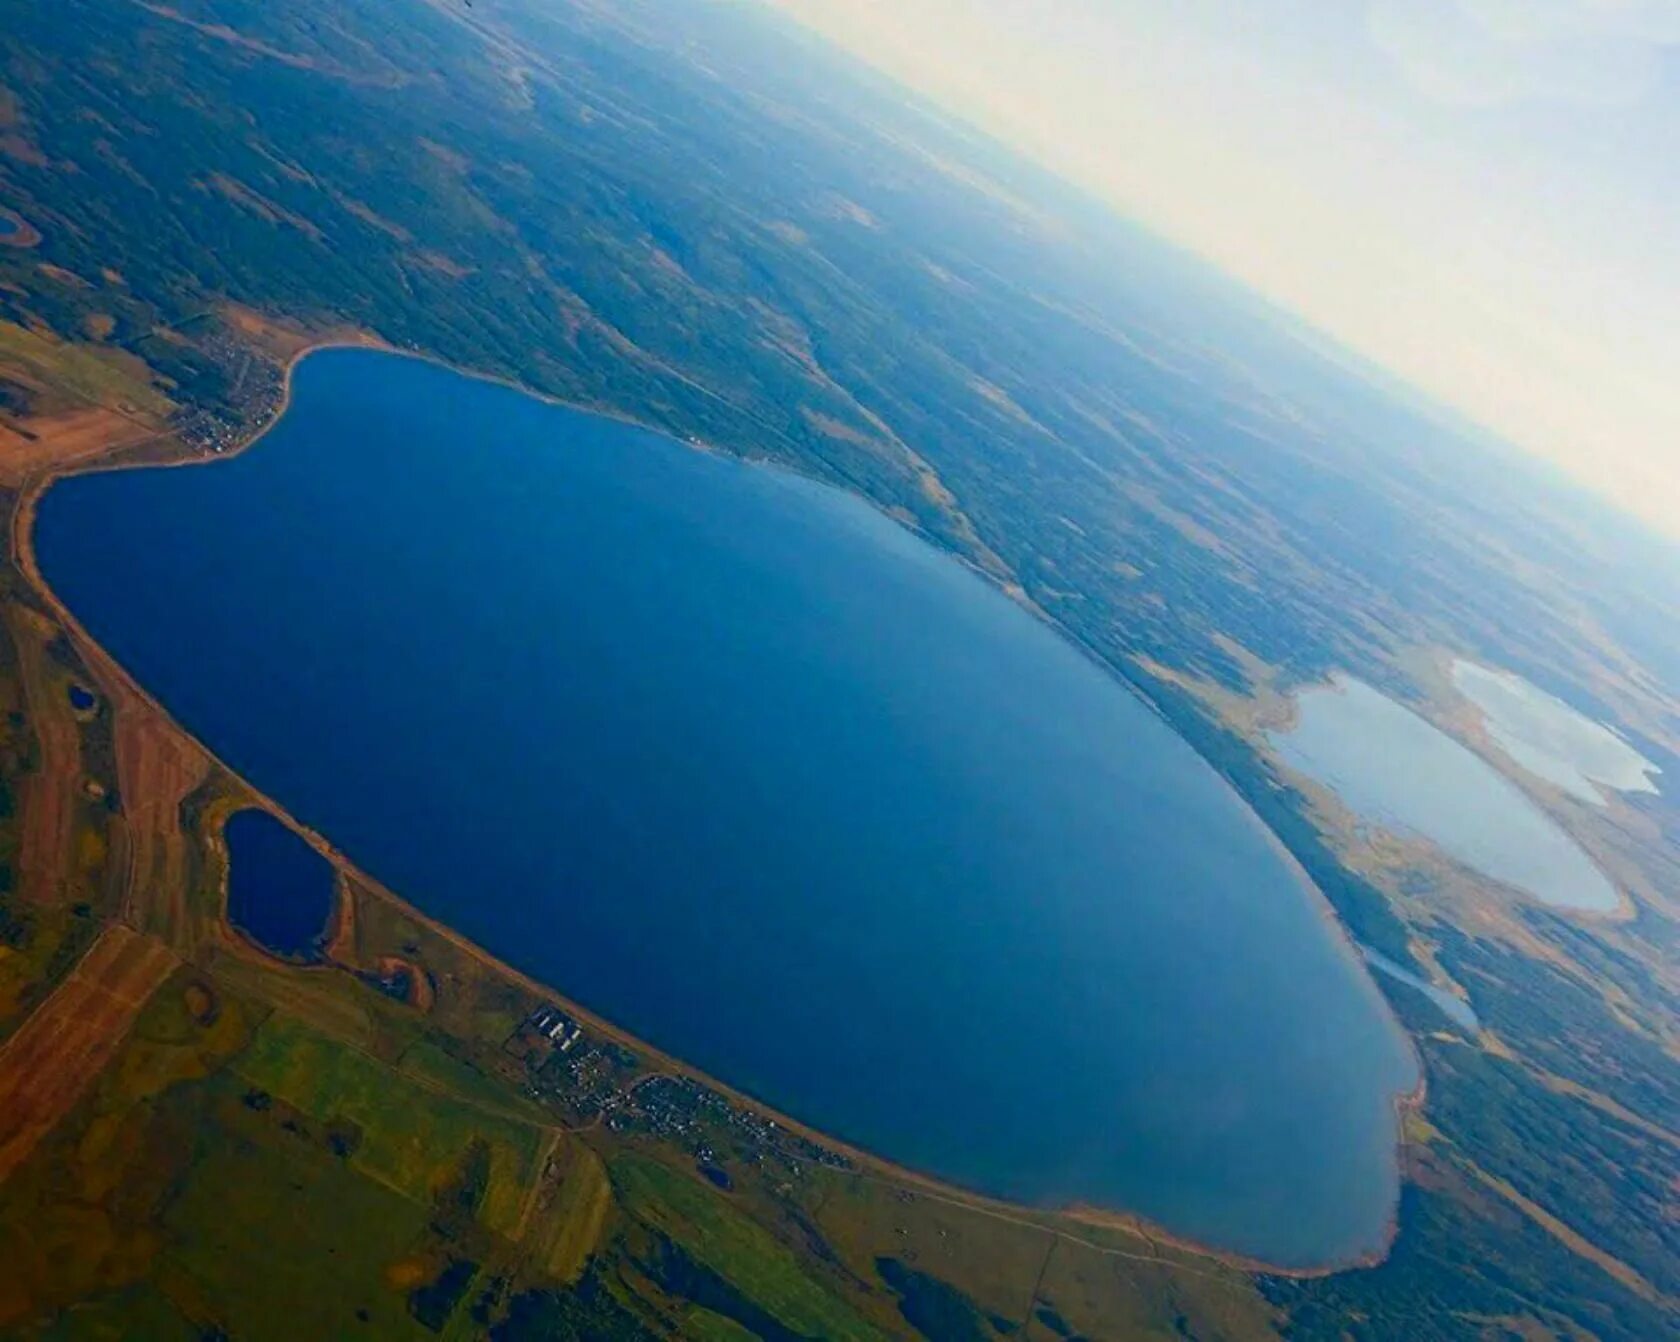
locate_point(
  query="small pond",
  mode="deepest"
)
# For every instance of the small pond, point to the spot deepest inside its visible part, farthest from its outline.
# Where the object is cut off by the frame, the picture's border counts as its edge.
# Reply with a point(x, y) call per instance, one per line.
point(280, 890)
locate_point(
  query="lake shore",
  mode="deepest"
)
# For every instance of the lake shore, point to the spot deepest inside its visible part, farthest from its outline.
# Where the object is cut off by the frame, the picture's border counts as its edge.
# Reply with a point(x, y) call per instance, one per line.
point(122, 689)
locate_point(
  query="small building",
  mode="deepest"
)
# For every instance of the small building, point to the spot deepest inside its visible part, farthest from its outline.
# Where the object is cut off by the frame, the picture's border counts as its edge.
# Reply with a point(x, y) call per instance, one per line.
point(560, 1029)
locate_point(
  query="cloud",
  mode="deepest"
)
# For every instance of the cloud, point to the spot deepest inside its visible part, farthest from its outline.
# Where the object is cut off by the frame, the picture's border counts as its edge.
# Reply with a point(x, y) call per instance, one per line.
point(1488, 52)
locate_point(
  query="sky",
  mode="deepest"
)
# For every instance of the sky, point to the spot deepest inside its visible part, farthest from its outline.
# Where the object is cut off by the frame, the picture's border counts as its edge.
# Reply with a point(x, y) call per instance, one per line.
point(1481, 195)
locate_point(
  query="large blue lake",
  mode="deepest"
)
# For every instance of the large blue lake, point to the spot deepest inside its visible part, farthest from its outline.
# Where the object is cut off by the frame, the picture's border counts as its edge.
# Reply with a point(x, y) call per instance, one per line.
point(736, 761)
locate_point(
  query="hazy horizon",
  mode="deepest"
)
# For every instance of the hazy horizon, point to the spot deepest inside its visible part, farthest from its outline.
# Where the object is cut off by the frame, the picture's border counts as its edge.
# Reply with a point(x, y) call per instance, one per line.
point(1471, 193)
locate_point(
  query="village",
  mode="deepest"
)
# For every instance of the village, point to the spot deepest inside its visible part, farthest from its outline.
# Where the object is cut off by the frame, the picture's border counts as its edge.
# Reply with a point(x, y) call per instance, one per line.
point(601, 1083)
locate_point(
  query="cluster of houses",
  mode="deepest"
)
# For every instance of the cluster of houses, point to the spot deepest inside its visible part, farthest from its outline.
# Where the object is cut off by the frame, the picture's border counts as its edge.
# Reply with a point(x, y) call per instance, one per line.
point(557, 1027)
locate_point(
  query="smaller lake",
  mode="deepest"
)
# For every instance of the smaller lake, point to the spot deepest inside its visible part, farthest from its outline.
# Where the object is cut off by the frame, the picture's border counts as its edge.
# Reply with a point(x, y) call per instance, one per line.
point(280, 890)
point(1550, 739)
point(1454, 1008)
point(1394, 768)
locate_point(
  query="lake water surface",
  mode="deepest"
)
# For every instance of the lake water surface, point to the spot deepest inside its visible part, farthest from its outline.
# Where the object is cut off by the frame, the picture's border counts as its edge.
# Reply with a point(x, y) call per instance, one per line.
point(1397, 769)
point(1550, 739)
point(1453, 1007)
point(736, 761)
point(8, 226)
point(280, 890)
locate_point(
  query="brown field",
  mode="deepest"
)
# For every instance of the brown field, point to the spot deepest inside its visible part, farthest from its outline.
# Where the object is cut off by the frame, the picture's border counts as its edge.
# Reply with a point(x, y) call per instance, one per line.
point(221, 32)
point(281, 339)
point(157, 767)
point(24, 235)
point(60, 442)
point(48, 1064)
point(49, 792)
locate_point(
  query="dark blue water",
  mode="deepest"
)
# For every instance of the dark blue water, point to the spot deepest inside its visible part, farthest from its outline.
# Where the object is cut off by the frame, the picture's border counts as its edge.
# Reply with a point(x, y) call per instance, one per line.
point(280, 890)
point(81, 699)
point(8, 226)
point(749, 769)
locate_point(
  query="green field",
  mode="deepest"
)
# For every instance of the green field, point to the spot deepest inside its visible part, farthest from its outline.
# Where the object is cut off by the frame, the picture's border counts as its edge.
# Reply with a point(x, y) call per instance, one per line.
point(408, 1138)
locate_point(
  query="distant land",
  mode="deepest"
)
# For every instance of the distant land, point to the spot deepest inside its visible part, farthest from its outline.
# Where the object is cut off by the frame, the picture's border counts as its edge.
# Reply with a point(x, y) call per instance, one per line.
point(691, 218)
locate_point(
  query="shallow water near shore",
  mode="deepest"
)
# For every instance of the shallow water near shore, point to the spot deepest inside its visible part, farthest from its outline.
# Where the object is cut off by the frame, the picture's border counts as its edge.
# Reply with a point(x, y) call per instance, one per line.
point(744, 766)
